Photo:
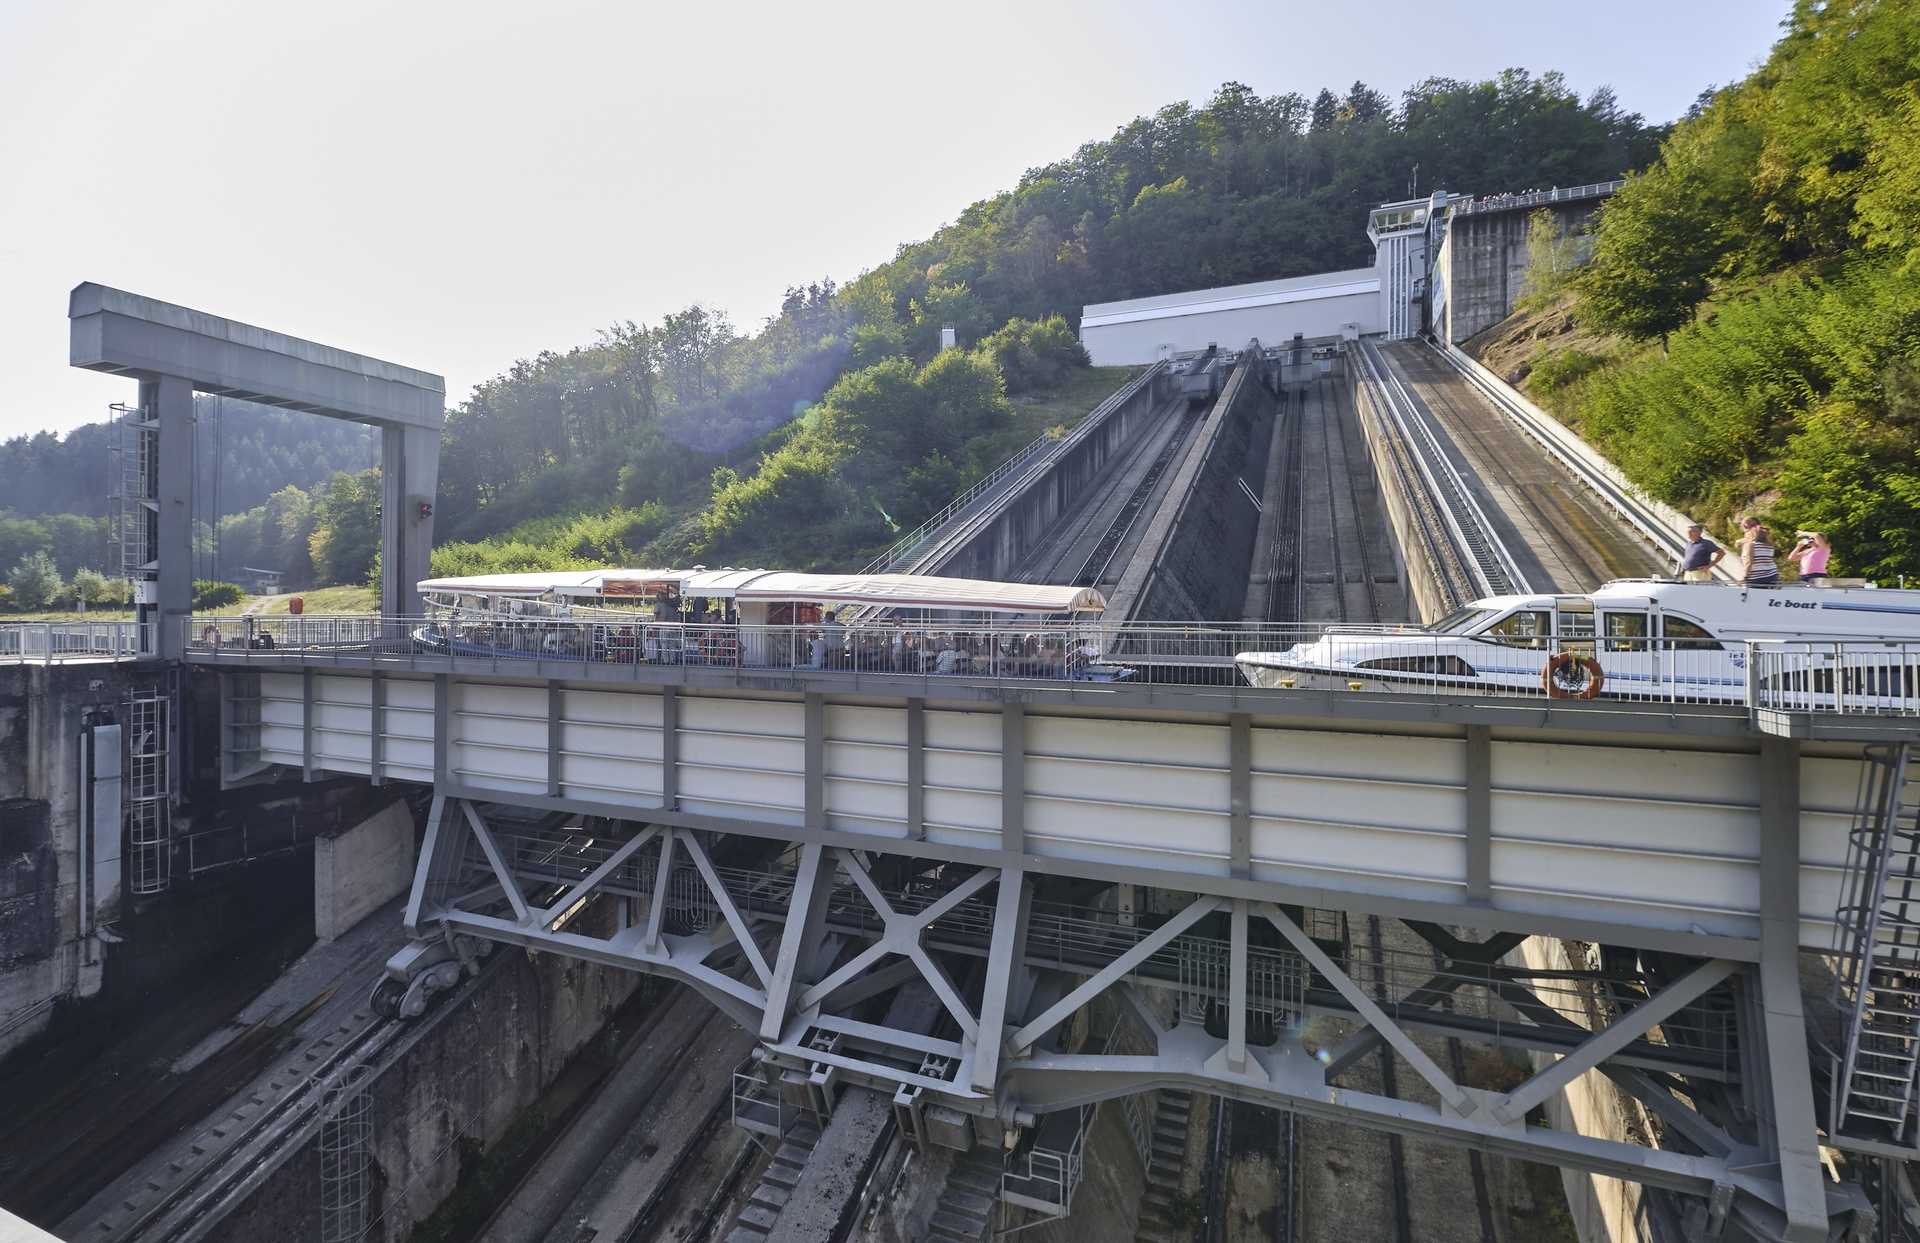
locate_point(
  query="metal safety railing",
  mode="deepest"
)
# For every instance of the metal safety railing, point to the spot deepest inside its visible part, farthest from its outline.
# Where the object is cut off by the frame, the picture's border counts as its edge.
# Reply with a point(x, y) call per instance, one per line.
point(1857, 677)
point(1863, 676)
point(1535, 198)
point(50, 643)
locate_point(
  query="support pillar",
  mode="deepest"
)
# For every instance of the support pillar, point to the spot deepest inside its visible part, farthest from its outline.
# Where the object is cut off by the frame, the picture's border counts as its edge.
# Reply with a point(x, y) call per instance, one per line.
point(409, 471)
point(169, 400)
point(1802, 1181)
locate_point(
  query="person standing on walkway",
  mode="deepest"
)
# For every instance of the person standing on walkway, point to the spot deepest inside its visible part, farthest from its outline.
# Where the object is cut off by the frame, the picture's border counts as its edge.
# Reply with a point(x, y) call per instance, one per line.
point(1810, 553)
point(1757, 567)
point(1702, 554)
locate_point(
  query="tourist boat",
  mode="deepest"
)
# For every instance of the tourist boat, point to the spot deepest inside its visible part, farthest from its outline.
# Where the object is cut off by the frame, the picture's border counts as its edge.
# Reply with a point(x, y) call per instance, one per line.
point(1632, 638)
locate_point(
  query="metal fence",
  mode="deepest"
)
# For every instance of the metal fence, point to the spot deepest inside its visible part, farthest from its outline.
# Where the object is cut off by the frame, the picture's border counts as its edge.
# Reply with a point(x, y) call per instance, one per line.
point(1865, 676)
point(50, 643)
point(1535, 198)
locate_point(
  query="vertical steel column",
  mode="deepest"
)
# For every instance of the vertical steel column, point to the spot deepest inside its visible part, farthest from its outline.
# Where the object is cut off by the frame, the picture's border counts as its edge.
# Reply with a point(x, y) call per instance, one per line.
point(1013, 778)
point(553, 739)
point(815, 729)
point(442, 719)
point(1480, 815)
point(1003, 965)
point(306, 725)
point(916, 769)
point(1240, 794)
point(669, 748)
point(377, 727)
point(1790, 1074)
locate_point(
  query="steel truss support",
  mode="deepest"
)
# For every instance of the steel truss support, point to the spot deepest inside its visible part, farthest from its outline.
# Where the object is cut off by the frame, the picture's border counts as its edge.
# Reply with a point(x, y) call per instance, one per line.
point(798, 943)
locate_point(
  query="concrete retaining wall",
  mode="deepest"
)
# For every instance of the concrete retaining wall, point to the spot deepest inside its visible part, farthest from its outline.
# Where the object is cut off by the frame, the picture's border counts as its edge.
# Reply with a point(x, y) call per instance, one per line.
point(357, 870)
point(991, 543)
point(1197, 556)
point(1393, 467)
point(1485, 258)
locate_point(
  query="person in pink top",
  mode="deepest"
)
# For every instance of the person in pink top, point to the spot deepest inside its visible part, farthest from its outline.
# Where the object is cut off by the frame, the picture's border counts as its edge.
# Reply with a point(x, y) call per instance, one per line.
point(1811, 553)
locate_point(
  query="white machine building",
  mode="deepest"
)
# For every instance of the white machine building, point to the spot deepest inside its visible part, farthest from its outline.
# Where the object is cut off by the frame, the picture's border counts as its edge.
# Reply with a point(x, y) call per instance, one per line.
point(1387, 299)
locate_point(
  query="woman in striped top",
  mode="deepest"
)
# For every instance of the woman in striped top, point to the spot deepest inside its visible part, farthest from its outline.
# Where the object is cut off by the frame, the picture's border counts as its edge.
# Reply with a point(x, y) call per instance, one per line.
point(1756, 556)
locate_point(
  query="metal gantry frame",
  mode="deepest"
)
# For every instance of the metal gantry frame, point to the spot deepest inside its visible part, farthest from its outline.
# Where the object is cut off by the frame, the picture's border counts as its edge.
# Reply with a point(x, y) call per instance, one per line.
point(802, 941)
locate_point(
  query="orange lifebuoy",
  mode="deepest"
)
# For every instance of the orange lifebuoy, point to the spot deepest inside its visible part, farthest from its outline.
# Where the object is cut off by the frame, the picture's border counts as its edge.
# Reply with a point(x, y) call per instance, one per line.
point(1557, 689)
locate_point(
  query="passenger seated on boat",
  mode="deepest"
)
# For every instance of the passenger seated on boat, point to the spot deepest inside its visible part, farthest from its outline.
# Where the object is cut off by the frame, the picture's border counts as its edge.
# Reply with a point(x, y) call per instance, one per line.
point(650, 647)
point(947, 661)
point(816, 650)
point(550, 643)
point(898, 651)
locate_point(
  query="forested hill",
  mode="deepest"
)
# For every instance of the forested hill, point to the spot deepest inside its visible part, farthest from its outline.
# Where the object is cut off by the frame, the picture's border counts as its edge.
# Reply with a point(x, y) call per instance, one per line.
point(1749, 332)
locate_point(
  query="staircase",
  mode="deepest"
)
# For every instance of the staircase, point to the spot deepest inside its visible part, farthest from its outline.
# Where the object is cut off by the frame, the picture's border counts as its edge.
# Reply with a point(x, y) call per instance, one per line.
point(1171, 1117)
point(964, 1213)
point(756, 1221)
point(1878, 924)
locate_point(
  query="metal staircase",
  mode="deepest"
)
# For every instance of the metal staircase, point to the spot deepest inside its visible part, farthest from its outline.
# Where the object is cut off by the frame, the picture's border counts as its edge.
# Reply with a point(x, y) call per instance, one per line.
point(1878, 928)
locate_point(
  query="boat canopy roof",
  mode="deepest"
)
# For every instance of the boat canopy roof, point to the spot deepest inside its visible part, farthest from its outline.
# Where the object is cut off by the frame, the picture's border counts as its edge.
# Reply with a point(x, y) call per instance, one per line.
point(871, 590)
point(918, 591)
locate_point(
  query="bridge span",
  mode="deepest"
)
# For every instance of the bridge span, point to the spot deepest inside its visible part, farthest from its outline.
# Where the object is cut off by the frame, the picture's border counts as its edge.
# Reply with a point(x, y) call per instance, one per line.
point(1159, 860)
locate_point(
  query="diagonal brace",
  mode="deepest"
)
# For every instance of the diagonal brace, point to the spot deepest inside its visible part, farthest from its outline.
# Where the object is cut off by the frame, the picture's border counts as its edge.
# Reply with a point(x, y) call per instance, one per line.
point(1356, 997)
point(1022, 1041)
point(487, 847)
point(618, 857)
point(1616, 1036)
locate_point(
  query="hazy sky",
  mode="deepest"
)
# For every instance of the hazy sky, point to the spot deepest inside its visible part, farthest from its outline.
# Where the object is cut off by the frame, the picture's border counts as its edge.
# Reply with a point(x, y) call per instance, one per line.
point(454, 186)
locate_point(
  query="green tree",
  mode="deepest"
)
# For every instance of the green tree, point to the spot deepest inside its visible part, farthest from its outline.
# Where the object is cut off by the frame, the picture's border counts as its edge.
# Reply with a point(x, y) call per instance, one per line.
point(96, 588)
point(346, 528)
point(35, 582)
point(1553, 255)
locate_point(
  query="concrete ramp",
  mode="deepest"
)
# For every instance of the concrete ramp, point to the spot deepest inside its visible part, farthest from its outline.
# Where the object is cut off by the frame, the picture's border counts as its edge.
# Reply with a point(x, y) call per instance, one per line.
point(1197, 554)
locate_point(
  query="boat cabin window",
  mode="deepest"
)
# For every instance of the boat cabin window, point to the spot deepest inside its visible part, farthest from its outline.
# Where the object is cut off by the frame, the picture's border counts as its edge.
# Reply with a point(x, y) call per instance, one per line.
point(1459, 621)
point(1679, 632)
point(1626, 632)
point(1523, 628)
point(793, 613)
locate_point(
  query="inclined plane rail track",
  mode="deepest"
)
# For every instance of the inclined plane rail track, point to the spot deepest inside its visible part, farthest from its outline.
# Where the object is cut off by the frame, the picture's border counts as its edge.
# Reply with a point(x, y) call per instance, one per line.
point(194, 1204)
point(1566, 526)
point(1492, 566)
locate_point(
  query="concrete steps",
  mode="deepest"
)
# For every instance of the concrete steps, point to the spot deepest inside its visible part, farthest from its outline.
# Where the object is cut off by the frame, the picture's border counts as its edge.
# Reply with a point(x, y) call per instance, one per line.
point(1165, 1169)
point(964, 1212)
point(757, 1220)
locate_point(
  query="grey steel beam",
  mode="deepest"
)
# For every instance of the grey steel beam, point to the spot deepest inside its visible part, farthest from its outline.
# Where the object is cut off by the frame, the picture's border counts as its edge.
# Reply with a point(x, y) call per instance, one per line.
point(1480, 815)
point(657, 910)
point(1013, 777)
point(592, 880)
point(377, 723)
point(1371, 1013)
point(728, 910)
point(1240, 794)
point(306, 725)
point(510, 886)
point(1011, 906)
point(916, 768)
point(425, 870)
point(806, 915)
point(1789, 1072)
point(814, 712)
point(442, 717)
point(553, 739)
point(1022, 1040)
point(1612, 1038)
point(669, 748)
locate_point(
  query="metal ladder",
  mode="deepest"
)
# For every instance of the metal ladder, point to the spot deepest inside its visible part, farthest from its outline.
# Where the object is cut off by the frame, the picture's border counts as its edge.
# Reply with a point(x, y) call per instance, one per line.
point(1878, 928)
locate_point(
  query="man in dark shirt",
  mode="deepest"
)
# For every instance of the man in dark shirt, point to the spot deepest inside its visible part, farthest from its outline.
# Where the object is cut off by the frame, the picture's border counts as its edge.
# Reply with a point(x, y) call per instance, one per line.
point(1696, 564)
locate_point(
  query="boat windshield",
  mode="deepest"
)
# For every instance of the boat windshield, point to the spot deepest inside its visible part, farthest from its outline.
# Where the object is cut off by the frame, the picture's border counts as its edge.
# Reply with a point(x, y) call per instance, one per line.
point(1459, 621)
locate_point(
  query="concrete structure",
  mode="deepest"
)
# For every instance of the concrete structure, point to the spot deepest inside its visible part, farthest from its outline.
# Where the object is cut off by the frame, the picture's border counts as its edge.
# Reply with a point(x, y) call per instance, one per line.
point(1482, 260)
point(174, 352)
point(358, 870)
point(1320, 308)
point(1405, 235)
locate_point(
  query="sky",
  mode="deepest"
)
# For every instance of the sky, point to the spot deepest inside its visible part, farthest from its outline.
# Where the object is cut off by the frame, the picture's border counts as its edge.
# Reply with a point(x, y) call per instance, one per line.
point(453, 186)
